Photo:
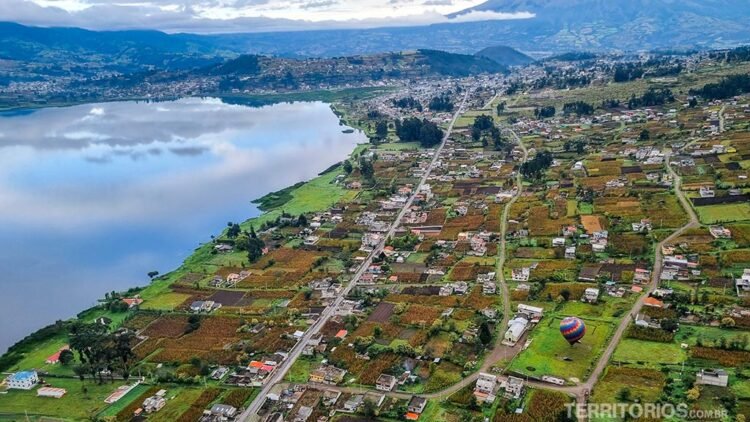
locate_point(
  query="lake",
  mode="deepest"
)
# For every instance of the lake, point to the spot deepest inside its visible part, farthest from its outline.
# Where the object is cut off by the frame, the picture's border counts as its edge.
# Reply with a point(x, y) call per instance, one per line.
point(93, 197)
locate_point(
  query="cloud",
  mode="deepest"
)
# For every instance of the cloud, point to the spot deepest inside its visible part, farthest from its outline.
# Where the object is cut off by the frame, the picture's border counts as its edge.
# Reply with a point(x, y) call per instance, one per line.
point(227, 16)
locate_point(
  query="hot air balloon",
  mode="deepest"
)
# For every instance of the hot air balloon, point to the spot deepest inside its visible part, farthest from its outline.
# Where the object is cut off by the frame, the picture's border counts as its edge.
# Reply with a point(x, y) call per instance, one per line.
point(573, 329)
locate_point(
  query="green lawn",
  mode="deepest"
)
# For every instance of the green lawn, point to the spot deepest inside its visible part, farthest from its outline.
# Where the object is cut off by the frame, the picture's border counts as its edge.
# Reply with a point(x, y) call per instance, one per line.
point(75, 405)
point(550, 354)
point(117, 406)
point(711, 214)
point(648, 352)
point(35, 358)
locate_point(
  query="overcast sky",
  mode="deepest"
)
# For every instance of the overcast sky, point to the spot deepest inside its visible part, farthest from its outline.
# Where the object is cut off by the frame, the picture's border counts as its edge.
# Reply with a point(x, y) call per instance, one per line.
point(239, 15)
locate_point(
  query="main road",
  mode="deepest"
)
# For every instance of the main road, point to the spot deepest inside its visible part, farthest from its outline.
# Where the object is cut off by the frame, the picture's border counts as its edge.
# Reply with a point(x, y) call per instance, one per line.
point(251, 412)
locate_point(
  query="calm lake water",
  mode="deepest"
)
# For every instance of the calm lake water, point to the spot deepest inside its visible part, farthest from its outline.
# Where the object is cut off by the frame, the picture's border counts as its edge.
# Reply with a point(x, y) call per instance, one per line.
point(93, 197)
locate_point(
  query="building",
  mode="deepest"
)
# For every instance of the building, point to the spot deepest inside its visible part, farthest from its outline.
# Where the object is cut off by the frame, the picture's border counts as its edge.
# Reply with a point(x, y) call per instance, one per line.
point(417, 404)
point(513, 387)
point(532, 312)
point(516, 327)
point(51, 392)
point(590, 295)
point(484, 390)
point(717, 377)
point(25, 380)
point(385, 382)
point(327, 374)
point(154, 404)
point(743, 283)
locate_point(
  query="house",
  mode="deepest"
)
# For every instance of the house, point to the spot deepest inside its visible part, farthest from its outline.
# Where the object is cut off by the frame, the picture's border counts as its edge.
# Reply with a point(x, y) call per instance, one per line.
point(719, 232)
point(55, 358)
point(484, 390)
point(51, 392)
point(489, 288)
point(706, 192)
point(590, 295)
point(532, 312)
point(570, 252)
point(385, 382)
point(353, 403)
point(446, 290)
point(224, 410)
point(154, 403)
point(743, 283)
point(303, 414)
point(327, 374)
point(645, 321)
point(513, 387)
point(653, 302)
point(717, 377)
point(25, 380)
point(204, 306)
point(516, 327)
point(417, 404)
point(641, 275)
point(558, 241)
point(133, 302)
point(520, 274)
point(460, 287)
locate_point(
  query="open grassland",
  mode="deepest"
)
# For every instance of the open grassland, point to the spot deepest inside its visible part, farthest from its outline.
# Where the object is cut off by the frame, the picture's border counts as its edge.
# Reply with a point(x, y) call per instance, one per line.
point(711, 214)
point(550, 354)
point(648, 352)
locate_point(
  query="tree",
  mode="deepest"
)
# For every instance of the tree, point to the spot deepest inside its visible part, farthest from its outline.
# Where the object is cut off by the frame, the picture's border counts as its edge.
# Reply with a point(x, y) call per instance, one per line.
point(66, 357)
point(381, 129)
point(348, 166)
point(302, 220)
point(233, 230)
point(366, 168)
point(645, 135)
point(623, 394)
point(152, 274)
point(485, 335)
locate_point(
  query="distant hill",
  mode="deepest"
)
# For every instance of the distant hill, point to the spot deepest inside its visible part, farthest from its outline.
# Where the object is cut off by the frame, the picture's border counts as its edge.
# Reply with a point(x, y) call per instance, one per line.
point(451, 64)
point(627, 24)
point(505, 56)
point(119, 50)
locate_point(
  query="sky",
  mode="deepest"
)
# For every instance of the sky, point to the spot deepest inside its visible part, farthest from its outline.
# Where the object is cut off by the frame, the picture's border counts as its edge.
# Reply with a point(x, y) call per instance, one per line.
point(212, 16)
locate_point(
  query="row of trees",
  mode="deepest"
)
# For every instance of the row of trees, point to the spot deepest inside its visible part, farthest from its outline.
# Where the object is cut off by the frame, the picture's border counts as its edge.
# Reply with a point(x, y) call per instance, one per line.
point(99, 351)
point(484, 129)
point(535, 168)
point(441, 103)
point(427, 133)
point(652, 97)
point(728, 87)
point(580, 108)
point(544, 112)
point(408, 103)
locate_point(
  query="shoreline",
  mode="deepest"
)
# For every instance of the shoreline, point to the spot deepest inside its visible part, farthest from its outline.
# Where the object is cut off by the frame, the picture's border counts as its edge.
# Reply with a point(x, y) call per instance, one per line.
point(162, 282)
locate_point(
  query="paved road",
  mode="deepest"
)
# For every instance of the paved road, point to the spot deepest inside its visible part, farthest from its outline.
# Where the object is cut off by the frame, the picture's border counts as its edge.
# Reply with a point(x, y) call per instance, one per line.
point(251, 413)
point(721, 118)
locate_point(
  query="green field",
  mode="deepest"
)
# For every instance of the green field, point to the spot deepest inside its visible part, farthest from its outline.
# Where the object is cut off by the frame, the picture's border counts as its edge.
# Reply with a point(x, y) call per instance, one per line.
point(75, 405)
point(550, 354)
point(648, 352)
point(711, 214)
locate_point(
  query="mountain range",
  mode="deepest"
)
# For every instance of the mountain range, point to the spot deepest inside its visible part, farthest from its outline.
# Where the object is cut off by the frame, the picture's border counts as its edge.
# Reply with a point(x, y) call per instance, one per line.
point(557, 26)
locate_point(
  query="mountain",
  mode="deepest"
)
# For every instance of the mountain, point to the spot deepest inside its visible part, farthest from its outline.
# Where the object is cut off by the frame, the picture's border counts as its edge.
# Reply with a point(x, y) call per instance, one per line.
point(117, 50)
point(505, 56)
point(627, 25)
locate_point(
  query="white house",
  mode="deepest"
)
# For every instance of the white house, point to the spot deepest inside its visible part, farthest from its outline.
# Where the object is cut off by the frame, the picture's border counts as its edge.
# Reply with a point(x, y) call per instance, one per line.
point(484, 390)
point(25, 380)
point(590, 295)
point(516, 327)
point(717, 377)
